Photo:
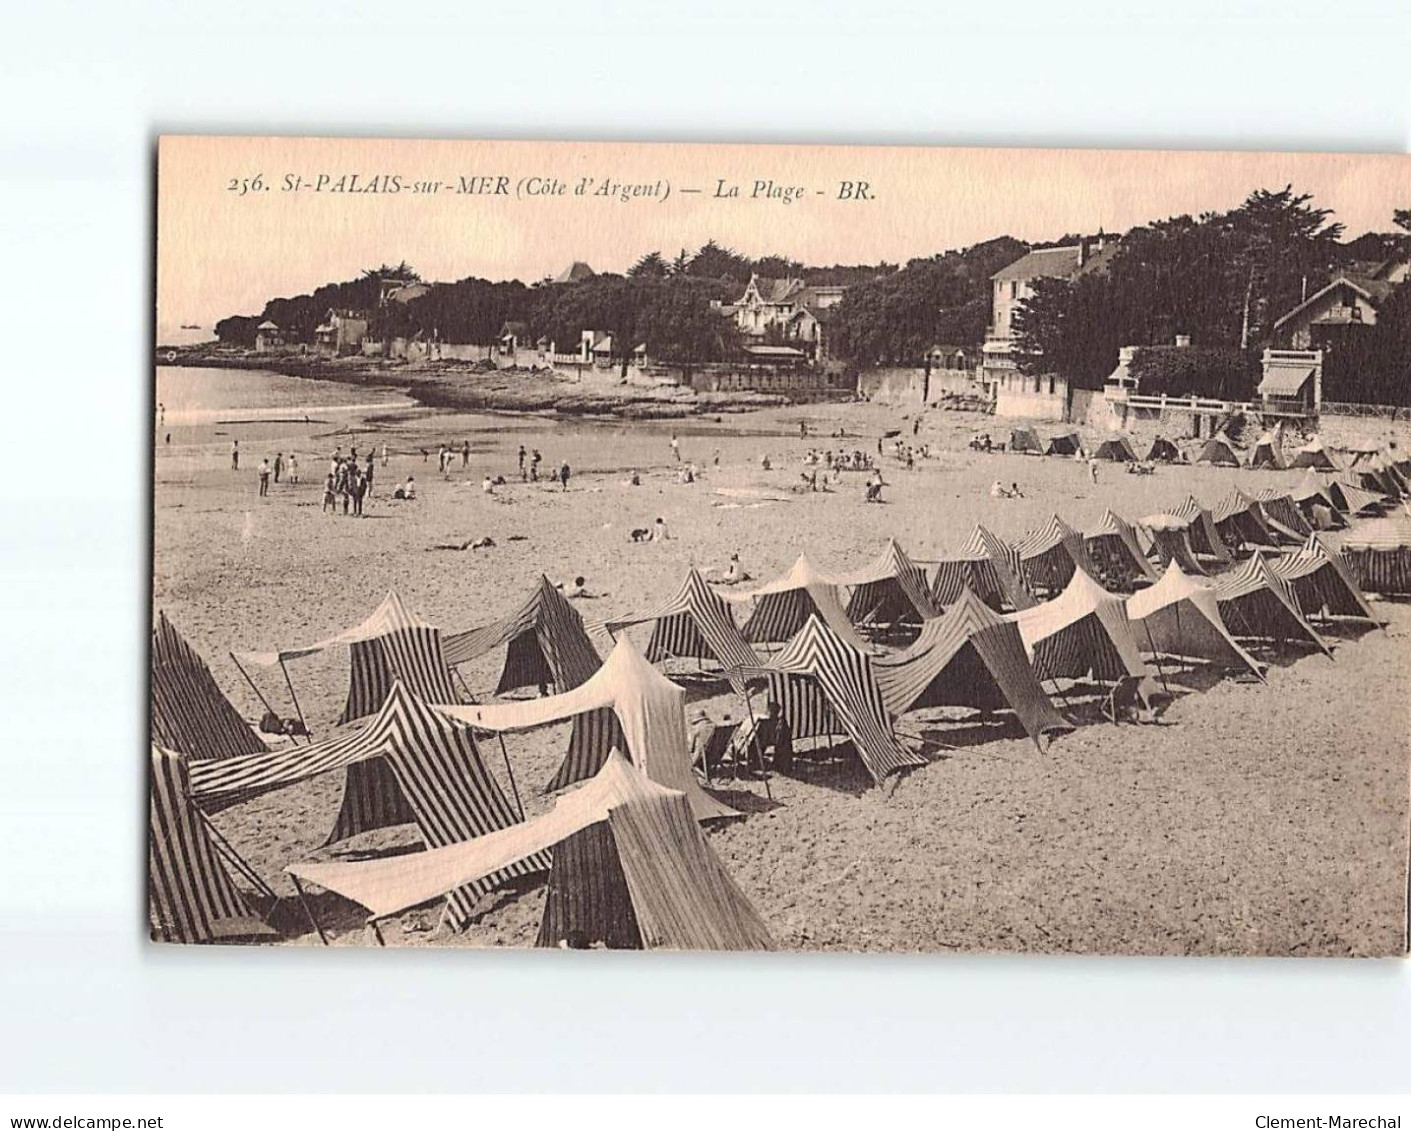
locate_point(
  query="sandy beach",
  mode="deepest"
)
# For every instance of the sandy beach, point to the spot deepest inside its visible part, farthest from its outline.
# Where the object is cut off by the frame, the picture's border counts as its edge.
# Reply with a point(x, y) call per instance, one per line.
point(1256, 819)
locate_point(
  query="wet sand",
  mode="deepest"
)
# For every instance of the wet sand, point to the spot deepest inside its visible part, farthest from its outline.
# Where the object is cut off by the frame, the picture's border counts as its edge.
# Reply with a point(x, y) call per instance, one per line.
point(1257, 820)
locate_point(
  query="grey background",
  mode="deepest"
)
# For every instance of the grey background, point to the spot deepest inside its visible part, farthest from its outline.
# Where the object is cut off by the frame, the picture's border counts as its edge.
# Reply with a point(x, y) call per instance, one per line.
point(85, 1005)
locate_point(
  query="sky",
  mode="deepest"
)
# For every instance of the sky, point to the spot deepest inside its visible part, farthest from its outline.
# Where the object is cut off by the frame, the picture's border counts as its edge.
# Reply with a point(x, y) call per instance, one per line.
point(226, 242)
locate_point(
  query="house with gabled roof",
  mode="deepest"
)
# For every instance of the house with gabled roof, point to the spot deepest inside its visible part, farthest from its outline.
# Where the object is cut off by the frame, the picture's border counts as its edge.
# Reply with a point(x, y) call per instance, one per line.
point(786, 311)
point(575, 272)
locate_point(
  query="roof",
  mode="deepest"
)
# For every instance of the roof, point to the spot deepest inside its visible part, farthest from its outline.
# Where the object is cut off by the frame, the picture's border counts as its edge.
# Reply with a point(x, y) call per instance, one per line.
point(776, 291)
point(1373, 290)
point(408, 291)
point(1056, 262)
point(266, 325)
point(575, 272)
point(515, 328)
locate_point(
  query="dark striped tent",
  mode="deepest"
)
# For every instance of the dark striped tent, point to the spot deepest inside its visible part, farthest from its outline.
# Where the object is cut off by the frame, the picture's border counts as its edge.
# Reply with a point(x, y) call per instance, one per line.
point(1180, 616)
point(431, 770)
point(1315, 502)
point(891, 589)
point(1352, 499)
point(1082, 632)
point(1314, 456)
point(1170, 541)
point(1216, 451)
point(191, 898)
point(391, 645)
point(1204, 539)
point(1064, 444)
point(1049, 556)
point(1259, 604)
point(1025, 440)
point(1163, 451)
point(190, 714)
point(631, 869)
point(547, 644)
point(1113, 548)
point(1322, 582)
point(627, 705)
point(823, 686)
point(1378, 553)
point(783, 607)
point(1240, 521)
point(1117, 449)
point(970, 656)
point(1267, 453)
point(1282, 515)
point(695, 623)
point(987, 566)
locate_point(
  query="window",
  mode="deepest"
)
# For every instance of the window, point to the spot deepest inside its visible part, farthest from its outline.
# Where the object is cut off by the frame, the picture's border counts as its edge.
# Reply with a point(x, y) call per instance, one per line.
point(1050, 385)
point(1014, 289)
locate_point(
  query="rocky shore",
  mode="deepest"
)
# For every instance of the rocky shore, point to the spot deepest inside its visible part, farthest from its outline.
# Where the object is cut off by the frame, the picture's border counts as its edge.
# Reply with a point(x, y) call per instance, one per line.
point(474, 387)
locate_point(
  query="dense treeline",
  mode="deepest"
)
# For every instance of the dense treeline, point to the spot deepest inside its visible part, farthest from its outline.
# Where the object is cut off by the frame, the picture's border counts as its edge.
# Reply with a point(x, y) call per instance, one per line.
point(1224, 279)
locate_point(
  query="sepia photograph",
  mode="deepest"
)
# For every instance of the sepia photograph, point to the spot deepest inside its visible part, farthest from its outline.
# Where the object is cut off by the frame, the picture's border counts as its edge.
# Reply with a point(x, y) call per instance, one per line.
point(797, 548)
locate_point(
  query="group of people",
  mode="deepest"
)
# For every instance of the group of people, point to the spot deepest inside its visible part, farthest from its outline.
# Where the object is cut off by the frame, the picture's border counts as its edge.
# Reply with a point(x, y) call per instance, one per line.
point(348, 481)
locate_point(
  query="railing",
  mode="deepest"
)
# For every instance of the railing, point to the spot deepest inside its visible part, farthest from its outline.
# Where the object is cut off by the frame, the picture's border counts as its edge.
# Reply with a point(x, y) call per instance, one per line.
point(1384, 411)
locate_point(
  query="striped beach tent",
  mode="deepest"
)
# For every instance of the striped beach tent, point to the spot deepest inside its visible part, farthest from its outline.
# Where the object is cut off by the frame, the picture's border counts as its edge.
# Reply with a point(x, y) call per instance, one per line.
point(1352, 499)
point(1064, 444)
point(1313, 456)
point(631, 868)
point(191, 897)
point(1170, 540)
point(1163, 451)
point(626, 705)
point(986, 565)
point(1180, 616)
point(391, 644)
point(433, 764)
point(1025, 440)
point(190, 714)
point(1240, 521)
point(1049, 556)
point(1205, 540)
point(823, 686)
point(1118, 449)
point(1376, 474)
point(1083, 631)
point(1219, 453)
point(968, 657)
point(1113, 548)
point(1258, 603)
point(1379, 554)
point(1268, 452)
point(890, 589)
point(696, 623)
point(784, 606)
point(1282, 514)
point(1314, 500)
point(1323, 582)
point(547, 644)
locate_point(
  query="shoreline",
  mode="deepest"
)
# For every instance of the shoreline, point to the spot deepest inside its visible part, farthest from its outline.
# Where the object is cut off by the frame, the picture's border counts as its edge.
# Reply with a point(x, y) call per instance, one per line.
point(466, 387)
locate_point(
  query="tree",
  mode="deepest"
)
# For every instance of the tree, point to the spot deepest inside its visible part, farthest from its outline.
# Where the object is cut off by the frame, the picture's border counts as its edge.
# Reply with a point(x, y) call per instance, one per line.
point(651, 265)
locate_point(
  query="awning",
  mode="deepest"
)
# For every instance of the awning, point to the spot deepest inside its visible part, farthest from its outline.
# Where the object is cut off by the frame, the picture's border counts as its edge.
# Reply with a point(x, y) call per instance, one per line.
point(774, 351)
point(1284, 380)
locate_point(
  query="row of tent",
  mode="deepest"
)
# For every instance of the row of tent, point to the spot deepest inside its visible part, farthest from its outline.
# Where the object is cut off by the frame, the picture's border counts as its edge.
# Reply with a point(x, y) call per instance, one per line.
point(1379, 470)
point(418, 762)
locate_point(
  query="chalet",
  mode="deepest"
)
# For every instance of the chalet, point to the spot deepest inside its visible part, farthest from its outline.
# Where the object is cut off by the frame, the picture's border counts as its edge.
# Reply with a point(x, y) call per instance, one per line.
point(342, 332)
point(1044, 396)
point(786, 311)
point(268, 336)
point(596, 347)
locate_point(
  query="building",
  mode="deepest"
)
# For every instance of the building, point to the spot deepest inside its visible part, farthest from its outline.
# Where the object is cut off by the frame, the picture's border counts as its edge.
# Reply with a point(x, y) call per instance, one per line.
point(1013, 393)
point(268, 336)
point(596, 347)
point(342, 332)
point(786, 312)
point(575, 272)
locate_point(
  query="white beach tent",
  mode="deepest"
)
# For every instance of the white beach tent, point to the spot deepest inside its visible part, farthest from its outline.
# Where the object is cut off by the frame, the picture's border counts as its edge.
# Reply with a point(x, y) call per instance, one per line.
point(1082, 631)
point(627, 705)
point(1180, 616)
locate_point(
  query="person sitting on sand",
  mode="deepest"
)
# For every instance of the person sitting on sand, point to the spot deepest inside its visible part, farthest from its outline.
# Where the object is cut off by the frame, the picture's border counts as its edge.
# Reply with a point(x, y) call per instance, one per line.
point(735, 572)
point(659, 531)
point(764, 462)
point(635, 479)
point(407, 490)
point(1014, 492)
point(997, 490)
point(579, 588)
point(487, 485)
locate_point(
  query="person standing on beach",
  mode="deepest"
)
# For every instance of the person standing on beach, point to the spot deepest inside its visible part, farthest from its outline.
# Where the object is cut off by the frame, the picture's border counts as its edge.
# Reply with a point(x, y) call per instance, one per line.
point(161, 415)
point(563, 476)
point(465, 454)
point(521, 461)
point(384, 453)
point(1092, 470)
point(330, 495)
point(441, 458)
point(234, 455)
point(534, 461)
point(278, 465)
point(676, 447)
point(264, 477)
point(368, 476)
point(293, 467)
point(360, 489)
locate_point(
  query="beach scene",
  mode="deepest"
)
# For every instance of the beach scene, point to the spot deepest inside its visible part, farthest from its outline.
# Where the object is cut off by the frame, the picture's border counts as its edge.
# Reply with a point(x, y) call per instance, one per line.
point(759, 615)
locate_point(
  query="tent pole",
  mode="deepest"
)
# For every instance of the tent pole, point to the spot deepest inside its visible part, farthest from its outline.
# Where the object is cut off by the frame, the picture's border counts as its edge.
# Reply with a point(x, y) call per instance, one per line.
point(514, 785)
point(754, 738)
point(377, 932)
point(253, 687)
point(1155, 655)
point(469, 694)
point(227, 850)
point(290, 684)
point(309, 911)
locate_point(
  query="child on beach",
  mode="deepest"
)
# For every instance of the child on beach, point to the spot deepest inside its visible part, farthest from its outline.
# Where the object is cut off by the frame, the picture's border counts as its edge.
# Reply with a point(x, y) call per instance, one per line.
point(659, 531)
point(330, 497)
point(564, 473)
